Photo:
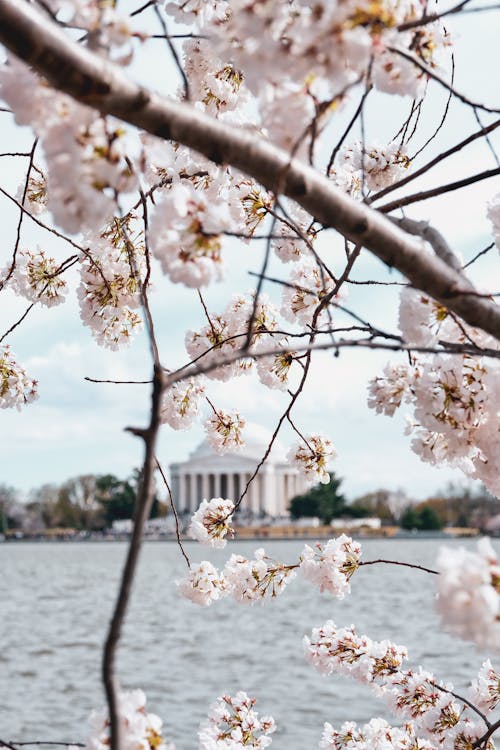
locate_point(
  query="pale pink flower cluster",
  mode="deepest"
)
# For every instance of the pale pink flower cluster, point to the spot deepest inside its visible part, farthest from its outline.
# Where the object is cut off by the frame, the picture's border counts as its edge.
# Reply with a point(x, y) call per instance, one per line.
point(233, 724)
point(181, 403)
point(387, 393)
point(290, 41)
point(35, 199)
point(291, 247)
point(212, 522)
point(332, 649)
point(185, 234)
point(375, 166)
point(203, 584)
point(112, 272)
point(198, 11)
point(376, 735)
point(215, 86)
point(454, 397)
point(308, 284)
point(37, 277)
point(311, 458)
point(226, 333)
point(331, 566)
point(139, 730)
point(431, 707)
point(246, 580)
point(224, 431)
point(485, 690)
point(253, 580)
point(469, 593)
point(16, 388)
point(84, 152)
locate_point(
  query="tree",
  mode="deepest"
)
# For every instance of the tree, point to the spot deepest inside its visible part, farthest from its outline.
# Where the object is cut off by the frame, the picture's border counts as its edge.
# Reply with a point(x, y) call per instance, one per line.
point(323, 501)
point(255, 152)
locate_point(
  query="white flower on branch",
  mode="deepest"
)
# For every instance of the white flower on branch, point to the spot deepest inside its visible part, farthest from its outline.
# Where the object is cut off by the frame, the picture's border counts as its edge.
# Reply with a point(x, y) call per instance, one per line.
point(37, 277)
point(254, 580)
point(233, 724)
point(16, 389)
point(485, 690)
point(331, 566)
point(36, 194)
point(378, 165)
point(468, 593)
point(224, 431)
point(181, 403)
point(212, 522)
point(185, 234)
point(376, 735)
point(331, 649)
point(203, 584)
point(139, 730)
point(311, 458)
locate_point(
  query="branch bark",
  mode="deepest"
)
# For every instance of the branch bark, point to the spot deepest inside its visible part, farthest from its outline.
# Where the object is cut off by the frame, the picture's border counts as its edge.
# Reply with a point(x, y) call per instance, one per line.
point(102, 85)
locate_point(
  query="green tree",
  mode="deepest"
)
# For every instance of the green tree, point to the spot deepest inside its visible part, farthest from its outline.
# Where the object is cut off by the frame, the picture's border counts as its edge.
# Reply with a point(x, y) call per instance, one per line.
point(410, 519)
point(323, 501)
point(116, 496)
point(429, 519)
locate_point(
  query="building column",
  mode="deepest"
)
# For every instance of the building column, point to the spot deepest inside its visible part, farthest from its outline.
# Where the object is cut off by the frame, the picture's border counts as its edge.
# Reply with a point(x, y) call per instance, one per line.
point(254, 500)
point(268, 500)
point(192, 492)
point(217, 485)
point(243, 482)
point(181, 503)
point(205, 490)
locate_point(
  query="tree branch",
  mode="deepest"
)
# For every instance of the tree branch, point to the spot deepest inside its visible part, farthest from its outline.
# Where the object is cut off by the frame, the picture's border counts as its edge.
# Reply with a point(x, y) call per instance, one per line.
point(102, 85)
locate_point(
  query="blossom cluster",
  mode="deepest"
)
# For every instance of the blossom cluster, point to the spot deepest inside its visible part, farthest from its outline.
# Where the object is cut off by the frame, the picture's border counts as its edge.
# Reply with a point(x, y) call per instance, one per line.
point(331, 566)
point(311, 457)
point(37, 277)
point(429, 707)
point(211, 523)
point(233, 724)
point(469, 593)
point(138, 729)
point(249, 580)
point(453, 396)
point(16, 388)
point(245, 580)
point(377, 734)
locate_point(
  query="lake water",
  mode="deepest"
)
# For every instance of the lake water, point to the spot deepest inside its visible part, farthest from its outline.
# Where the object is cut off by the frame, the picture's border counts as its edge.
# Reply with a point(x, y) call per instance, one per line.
point(55, 603)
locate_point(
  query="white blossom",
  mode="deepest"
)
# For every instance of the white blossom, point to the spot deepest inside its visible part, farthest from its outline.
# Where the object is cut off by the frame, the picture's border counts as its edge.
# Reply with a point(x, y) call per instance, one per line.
point(203, 584)
point(211, 523)
point(224, 431)
point(233, 724)
point(16, 388)
point(249, 581)
point(331, 566)
point(181, 403)
point(38, 278)
point(468, 593)
point(311, 457)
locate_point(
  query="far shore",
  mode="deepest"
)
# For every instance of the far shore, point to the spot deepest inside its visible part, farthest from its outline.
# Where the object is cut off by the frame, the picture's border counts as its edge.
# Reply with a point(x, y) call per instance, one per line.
point(288, 532)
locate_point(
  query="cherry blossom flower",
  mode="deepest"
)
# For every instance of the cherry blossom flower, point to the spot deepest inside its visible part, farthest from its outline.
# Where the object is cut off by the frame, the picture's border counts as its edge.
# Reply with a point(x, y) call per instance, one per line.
point(212, 522)
point(254, 580)
point(331, 649)
point(224, 431)
point(485, 689)
point(203, 584)
point(233, 724)
point(331, 566)
point(468, 593)
point(37, 277)
point(16, 388)
point(181, 403)
point(311, 458)
point(139, 729)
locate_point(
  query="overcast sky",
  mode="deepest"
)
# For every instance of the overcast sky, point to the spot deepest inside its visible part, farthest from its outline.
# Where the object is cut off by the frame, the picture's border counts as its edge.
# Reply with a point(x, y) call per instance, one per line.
point(76, 427)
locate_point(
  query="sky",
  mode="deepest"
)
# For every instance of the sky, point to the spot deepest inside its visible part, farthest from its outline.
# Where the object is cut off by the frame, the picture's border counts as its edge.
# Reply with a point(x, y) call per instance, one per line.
point(77, 427)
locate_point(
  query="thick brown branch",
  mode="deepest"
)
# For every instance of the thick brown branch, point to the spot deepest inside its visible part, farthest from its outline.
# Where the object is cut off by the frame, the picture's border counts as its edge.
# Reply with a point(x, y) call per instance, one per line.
point(100, 84)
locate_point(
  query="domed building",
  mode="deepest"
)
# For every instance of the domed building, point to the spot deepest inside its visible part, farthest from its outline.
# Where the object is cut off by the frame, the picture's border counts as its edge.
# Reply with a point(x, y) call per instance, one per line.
point(206, 474)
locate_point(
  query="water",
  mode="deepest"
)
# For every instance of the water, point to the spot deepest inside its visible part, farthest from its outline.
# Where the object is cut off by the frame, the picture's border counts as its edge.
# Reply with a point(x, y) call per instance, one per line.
point(56, 600)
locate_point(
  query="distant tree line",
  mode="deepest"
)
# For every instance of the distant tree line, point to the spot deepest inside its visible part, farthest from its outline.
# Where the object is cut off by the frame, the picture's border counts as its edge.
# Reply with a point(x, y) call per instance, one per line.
point(85, 503)
point(455, 506)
